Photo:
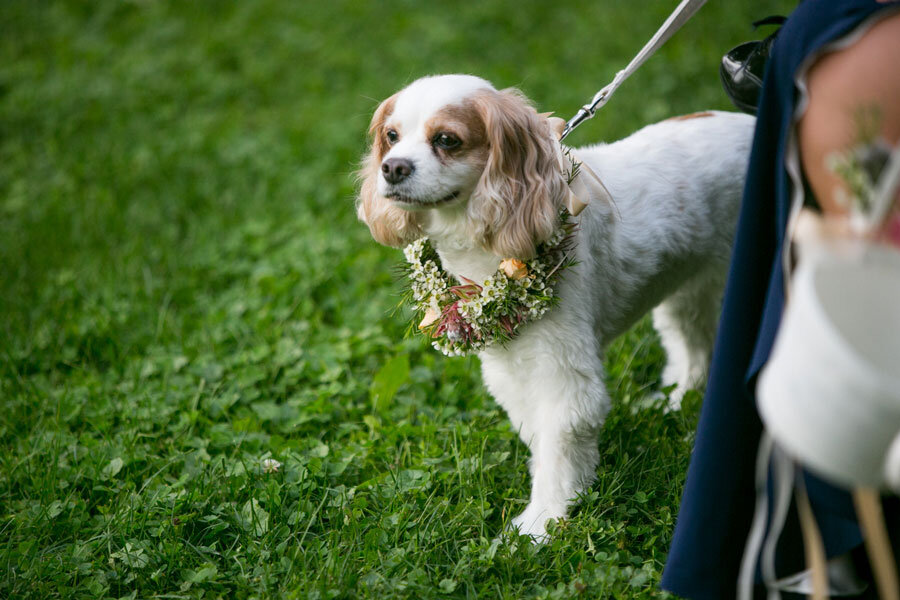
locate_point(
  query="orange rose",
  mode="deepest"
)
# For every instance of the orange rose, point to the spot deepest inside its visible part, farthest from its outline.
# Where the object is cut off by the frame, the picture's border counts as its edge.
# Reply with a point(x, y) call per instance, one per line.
point(514, 268)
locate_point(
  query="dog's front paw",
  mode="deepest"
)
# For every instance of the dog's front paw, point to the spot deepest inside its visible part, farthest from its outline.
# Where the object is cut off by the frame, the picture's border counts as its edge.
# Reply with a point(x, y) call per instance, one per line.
point(670, 397)
point(533, 522)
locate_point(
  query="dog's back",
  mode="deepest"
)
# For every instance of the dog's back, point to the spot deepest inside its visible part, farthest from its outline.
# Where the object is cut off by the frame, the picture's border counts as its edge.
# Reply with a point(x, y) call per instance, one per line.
point(676, 187)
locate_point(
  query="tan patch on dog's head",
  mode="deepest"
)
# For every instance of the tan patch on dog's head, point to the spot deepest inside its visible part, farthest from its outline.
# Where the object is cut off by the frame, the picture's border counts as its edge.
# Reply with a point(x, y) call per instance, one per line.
point(463, 122)
point(696, 115)
point(380, 144)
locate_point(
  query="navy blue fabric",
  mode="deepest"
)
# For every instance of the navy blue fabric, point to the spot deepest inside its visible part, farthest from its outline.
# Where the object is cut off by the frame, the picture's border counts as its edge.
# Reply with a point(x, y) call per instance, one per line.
point(717, 504)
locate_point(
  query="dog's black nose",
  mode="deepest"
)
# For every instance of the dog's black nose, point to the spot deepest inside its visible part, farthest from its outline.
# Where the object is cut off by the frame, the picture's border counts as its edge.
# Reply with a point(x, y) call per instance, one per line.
point(396, 170)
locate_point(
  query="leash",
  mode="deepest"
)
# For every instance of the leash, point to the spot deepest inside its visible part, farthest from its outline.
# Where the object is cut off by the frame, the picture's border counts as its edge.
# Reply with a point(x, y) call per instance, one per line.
point(682, 13)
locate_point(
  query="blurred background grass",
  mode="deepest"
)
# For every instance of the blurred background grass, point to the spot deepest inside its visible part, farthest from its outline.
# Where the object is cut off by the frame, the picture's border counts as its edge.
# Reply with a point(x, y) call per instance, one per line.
point(130, 129)
point(184, 288)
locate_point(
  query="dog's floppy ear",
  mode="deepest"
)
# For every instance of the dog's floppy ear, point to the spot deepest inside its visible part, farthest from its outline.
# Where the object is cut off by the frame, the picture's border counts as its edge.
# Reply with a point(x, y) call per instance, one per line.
point(521, 190)
point(390, 225)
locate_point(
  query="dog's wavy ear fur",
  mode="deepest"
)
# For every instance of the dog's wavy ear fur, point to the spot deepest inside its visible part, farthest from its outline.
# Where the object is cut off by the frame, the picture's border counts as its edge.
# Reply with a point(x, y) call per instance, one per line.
point(390, 225)
point(517, 200)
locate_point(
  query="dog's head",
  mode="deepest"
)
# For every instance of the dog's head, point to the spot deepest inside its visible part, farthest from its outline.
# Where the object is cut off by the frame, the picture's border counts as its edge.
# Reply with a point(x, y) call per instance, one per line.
point(453, 142)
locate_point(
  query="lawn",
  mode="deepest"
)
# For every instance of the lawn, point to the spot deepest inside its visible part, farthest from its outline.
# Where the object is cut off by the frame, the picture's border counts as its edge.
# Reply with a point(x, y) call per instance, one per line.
point(185, 292)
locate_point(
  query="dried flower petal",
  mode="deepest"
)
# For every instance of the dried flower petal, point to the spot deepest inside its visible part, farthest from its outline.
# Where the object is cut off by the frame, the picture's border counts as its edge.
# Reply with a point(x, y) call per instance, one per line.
point(431, 316)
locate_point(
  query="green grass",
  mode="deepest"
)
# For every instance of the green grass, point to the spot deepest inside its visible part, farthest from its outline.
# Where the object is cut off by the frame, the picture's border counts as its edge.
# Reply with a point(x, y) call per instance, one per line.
point(185, 291)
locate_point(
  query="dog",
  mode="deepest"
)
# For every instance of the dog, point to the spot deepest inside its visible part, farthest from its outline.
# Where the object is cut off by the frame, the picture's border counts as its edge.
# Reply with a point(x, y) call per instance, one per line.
point(477, 170)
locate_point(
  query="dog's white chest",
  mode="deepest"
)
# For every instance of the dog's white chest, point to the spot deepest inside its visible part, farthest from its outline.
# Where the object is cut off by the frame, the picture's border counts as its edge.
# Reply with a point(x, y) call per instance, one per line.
point(472, 264)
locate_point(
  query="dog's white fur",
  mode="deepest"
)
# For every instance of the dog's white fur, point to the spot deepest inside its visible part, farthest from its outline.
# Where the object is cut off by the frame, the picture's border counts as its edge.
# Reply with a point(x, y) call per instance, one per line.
point(665, 243)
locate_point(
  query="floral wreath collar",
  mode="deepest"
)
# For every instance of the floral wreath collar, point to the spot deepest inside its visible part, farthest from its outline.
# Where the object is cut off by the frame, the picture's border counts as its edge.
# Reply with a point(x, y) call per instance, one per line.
point(469, 317)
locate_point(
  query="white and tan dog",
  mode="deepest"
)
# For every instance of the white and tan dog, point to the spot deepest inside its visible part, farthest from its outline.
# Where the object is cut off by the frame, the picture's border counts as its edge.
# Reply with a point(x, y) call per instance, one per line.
point(476, 170)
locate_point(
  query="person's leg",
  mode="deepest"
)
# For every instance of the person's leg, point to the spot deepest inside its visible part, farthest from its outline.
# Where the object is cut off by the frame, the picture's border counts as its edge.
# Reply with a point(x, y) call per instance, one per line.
point(863, 78)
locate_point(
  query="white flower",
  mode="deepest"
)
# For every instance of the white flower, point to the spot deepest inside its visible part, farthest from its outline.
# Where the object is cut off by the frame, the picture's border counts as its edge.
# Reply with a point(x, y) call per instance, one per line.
point(270, 465)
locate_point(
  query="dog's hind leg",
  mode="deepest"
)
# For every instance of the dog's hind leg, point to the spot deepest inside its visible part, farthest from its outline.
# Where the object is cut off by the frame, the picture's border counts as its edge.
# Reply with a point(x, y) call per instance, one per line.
point(686, 322)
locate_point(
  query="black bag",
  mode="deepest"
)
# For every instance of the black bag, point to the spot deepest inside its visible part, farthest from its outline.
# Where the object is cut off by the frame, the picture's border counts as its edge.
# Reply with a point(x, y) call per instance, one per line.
point(742, 69)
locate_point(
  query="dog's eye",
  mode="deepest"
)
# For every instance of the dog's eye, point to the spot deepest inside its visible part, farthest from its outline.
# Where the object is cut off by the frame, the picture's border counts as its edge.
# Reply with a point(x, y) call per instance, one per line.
point(447, 141)
point(392, 136)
